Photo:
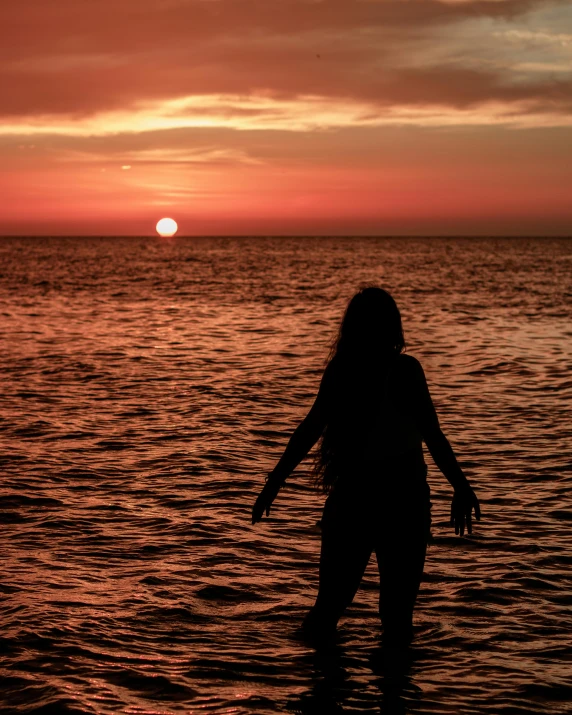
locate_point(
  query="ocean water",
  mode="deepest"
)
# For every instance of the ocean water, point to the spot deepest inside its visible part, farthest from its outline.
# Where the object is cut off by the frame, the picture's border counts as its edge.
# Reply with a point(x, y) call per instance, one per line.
point(147, 387)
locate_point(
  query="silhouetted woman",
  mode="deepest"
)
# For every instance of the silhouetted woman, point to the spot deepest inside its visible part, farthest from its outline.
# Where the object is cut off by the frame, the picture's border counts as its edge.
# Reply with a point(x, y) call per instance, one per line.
point(372, 413)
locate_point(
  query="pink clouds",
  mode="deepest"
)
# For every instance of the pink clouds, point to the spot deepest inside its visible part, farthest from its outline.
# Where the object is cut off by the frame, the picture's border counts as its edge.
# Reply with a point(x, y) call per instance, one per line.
point(68, 57)
point(271, 112)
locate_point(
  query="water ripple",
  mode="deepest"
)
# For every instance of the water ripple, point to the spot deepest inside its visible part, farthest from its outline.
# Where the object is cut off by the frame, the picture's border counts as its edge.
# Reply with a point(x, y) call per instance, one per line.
point(148, 386)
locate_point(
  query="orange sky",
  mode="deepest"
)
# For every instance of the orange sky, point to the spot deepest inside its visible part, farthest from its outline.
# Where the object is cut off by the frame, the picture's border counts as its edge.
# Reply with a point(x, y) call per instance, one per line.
point(286, 116)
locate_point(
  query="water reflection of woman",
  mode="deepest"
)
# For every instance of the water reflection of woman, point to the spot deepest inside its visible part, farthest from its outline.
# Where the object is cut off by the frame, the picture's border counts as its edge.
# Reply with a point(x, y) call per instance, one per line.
point(372, 413)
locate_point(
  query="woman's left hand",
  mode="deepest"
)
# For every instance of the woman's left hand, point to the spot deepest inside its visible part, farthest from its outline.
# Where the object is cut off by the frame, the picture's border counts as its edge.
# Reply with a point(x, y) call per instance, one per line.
point(464, 501)
point(265, 499)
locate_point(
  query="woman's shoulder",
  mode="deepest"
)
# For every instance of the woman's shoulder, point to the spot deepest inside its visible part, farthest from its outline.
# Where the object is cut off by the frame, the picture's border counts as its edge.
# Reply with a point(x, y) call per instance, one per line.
point(408, 361)
point(329, 375)
point(409, 365)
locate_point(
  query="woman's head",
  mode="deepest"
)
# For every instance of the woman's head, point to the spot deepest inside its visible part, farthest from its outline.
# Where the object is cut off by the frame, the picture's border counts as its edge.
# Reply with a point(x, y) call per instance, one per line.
point(371, 323)
point(370, 335)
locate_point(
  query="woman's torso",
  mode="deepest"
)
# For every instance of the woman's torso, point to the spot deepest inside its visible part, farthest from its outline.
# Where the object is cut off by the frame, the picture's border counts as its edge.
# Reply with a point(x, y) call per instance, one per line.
point(387, 451)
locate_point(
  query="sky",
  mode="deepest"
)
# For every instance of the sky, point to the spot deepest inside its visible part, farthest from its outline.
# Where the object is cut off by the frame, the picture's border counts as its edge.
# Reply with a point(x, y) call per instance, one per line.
point(385, 117)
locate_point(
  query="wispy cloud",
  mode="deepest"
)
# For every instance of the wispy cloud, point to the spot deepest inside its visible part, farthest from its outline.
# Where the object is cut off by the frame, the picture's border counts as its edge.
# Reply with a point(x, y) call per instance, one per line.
point(308, 113)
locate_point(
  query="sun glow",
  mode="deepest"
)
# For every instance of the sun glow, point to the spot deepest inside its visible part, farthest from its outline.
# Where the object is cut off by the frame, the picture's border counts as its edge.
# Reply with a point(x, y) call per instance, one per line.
point(167, 227)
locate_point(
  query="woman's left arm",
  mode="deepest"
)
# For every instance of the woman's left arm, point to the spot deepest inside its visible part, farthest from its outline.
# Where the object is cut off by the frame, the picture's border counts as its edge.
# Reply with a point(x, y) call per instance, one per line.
point(464, 499)
point(301, 442)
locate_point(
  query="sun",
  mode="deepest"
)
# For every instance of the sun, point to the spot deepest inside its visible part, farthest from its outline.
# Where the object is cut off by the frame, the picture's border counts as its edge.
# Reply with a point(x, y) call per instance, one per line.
point(167, 227)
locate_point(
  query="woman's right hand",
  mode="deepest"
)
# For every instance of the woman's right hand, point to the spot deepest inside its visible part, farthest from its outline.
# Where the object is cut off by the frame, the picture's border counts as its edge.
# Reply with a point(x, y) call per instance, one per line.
point(265, 499)
point(464, 502)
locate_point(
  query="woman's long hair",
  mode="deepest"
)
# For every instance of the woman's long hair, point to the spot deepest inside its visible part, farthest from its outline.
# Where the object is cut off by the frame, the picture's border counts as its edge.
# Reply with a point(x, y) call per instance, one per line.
point(370, 335)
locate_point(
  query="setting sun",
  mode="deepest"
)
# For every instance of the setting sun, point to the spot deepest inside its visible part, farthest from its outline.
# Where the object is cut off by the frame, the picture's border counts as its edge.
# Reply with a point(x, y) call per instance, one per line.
point(167, 227)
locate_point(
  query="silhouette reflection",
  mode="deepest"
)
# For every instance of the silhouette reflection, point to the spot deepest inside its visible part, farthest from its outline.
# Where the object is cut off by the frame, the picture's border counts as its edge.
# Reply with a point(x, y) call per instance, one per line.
point(334, 690)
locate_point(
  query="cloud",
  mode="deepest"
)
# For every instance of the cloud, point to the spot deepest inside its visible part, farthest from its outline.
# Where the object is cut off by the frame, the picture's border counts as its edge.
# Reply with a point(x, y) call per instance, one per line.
point(99, 58)
point(39, 28)
point(432, 99)
point(209, 155)
point(536, 38)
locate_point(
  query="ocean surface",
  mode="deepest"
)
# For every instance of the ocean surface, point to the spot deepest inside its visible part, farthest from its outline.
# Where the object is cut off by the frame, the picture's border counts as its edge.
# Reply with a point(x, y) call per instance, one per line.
point(147, 387)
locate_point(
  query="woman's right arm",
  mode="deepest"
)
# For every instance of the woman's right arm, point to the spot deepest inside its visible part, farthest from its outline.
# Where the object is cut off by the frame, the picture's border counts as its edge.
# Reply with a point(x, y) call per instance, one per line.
point(464, 499)
point(301, 442)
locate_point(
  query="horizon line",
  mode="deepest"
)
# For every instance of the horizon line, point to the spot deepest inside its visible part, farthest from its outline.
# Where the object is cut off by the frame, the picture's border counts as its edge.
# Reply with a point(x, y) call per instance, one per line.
point(293, 236)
